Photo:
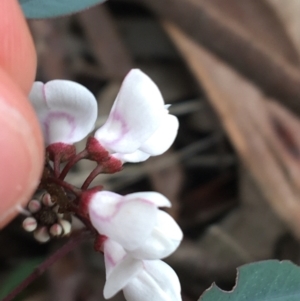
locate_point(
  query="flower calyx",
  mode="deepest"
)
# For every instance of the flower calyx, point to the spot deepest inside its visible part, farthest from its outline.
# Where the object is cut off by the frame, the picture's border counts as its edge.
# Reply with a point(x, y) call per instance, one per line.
point(97, 153)
point(60, 151)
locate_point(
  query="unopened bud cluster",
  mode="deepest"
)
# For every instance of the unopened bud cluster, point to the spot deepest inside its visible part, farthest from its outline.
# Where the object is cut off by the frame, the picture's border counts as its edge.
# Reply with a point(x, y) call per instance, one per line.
point(45, 221)
point(131, 230)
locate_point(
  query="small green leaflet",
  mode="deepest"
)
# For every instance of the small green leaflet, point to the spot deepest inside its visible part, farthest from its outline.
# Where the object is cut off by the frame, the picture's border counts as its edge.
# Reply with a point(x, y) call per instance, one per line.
point(39, 9)
point(269, 280)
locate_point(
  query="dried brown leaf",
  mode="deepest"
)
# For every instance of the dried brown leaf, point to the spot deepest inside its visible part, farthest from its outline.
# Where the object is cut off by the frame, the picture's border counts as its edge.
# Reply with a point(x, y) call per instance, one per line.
point(261, 23)
point(220, 34)
point(246, 115)
point(289, 11)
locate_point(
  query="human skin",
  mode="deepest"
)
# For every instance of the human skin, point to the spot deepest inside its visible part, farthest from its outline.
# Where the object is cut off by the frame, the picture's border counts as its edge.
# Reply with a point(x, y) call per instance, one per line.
point(21, 144)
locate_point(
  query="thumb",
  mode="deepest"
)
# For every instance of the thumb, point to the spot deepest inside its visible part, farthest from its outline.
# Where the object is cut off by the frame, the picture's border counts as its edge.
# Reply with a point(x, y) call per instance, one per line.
point(21, 148)
point(21, 156)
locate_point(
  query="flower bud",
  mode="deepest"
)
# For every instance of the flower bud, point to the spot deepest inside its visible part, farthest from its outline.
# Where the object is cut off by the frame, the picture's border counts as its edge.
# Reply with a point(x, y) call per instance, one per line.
point(56, 230)
point(41, 235)
point(29, 224)
point(34, 206)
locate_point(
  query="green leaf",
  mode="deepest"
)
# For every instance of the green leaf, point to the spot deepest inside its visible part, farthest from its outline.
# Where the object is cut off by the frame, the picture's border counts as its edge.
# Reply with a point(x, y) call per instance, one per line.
point(262, 281)
point(39, 9)
point(18, 275)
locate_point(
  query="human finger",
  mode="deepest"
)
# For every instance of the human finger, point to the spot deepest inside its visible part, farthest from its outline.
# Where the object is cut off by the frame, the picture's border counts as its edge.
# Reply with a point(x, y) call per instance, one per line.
point(21, 149)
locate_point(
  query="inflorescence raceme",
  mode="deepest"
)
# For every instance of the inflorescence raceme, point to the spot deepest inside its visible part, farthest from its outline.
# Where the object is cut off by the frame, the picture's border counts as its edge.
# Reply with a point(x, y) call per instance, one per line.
point(131, 230)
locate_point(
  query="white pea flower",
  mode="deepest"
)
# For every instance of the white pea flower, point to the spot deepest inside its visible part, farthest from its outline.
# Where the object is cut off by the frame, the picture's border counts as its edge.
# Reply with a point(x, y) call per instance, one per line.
point(147, 280)
point(135, 222)
point(139, 124)
point(67, 111)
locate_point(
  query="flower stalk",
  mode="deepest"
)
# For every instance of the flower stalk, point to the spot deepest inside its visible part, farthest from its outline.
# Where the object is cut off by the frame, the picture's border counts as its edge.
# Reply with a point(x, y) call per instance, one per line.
point(74, 241)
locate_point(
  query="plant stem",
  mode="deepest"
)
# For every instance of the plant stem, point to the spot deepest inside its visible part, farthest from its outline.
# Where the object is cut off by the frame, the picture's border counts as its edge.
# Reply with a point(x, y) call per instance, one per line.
point(71, 244)
point(98, 169)
point(72, 162)
point(56, 165)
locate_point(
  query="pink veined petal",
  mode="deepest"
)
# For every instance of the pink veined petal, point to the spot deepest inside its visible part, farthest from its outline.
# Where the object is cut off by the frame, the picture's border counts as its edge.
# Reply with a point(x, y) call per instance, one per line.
point(155, 198)
point(126, 270)
point(67, 111)
point(157, 282)
point(136, 114)
point(163, 241)
point(137, 156)
point(114, 253)
point(163, 137)
point(128, 222)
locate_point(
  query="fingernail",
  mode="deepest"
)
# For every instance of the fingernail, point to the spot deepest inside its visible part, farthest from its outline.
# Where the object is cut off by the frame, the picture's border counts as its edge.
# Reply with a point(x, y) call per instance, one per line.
point(18, 174)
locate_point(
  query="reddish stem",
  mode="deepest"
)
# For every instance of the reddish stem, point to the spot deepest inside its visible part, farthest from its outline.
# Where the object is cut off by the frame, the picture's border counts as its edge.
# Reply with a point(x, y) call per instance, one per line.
point(72, 162)
point(56, 165)
point(98, 169)
point(71, 244)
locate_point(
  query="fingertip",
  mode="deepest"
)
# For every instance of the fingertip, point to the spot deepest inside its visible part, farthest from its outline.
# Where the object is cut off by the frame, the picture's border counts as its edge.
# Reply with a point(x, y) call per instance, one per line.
point(17, 51)
point(21, 150)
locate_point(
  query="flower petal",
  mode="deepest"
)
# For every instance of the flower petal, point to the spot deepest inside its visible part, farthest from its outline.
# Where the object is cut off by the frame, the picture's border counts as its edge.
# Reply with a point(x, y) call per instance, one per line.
point(163, 241)
point(155, 198)
point(120, 269)
point(157, 282)
point(136, 114)
point(163, 138)
point(113, 254)
point(137, 156)
point(127, 221)
point(66, 110)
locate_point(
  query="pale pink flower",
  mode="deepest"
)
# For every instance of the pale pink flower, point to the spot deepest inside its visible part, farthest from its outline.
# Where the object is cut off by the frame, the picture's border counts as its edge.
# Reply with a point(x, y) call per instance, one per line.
point(135, 222)
point(139, 124)
point(147, 280)
point(67, 111)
